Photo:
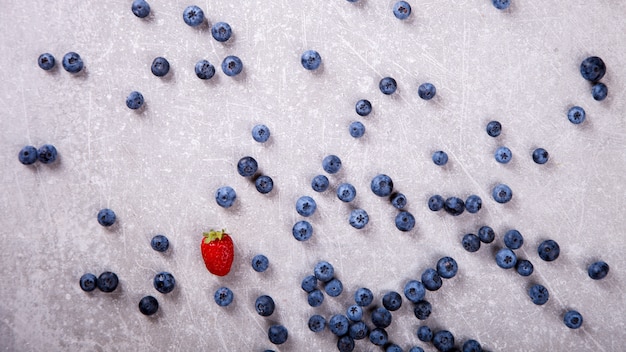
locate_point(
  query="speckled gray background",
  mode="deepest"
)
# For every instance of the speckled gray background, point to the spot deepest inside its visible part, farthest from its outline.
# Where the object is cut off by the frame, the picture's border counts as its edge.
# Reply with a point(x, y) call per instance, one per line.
point(158, 169)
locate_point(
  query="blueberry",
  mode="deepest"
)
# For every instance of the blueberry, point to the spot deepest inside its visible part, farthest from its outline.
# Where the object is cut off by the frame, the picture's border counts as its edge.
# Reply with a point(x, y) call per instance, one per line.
point(311, 60)
point(315, 298)
point(320, 183)
point(440, 158)
point(524, 267)
point(106, 217)
point(422, 310)
point(426, 91)
point(540, 156)
point(494, 128)
point(424, 333)
point(486, 234)
point(576, 115)
point(435, 203)
point(134, 100)
point(573, 319)
point(354, 313)
point(317, 323)
point(193, 16)
point(204, 69)
point(72, 62)
point(148, 305)
point(382, 185)
point(398, 200)
point(247, 166)
point(363, 297)
point(232, 65)
point(324, 271)
point(599, 91)
point(548, 250)
point(334, 287)
point(346, 192)
point(447, 267)
point(88, 282)
point(141, 9)
point(264, 184)
point(277, 334)
point(357, 129)
point(345, 344)
point(264, 305)
point(405, 221)
point(592, 68)
point(503, 155)
point(392, 301)
point(402, 10)
point(513, 239)
point(358, 218)
point(160, 66)
point(260, 263)
point(414, 291)
point(393, 348)
point(381, 317)
point(160, 243)
point(472, 346)
point(28, 155)
point(505, 258)
point(379, 337)
point(260, 133)
point(223, 296)
point(443, 340)
point(47, 154)
point(221, 31)
point(107, 281)
point(309, 283)
point(225, 196)
point(502, 193)
point(471, 242)
point(358, 330)
point(46, 61)
point(598, 270)
point(473, 204)
point(164, 282)
point(501, 4)
point(387, 85)
point(302, 230)
point(454, 206)
point(306, 206)
point(416, 349)
point(363, 107)
point(331, 164)
point(338, 324)
point(538, 294)
point(431, 280)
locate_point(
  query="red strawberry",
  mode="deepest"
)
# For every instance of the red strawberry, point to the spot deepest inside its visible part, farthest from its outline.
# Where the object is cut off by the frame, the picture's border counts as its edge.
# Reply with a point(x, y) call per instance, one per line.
point(217, 251)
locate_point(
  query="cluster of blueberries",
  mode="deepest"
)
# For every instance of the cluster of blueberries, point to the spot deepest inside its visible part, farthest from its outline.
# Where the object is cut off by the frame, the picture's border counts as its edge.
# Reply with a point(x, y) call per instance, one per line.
point(592, 69)
point(46, 154)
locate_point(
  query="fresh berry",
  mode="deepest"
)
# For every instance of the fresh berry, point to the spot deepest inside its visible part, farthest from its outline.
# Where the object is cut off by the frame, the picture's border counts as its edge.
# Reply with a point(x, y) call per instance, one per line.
point(141, 9)
point(277, 334)
point(393, 348)
point(538, 294)
point(592, 68)
point(382, 185)
point(454, 206)
point(402, 10)
point(387, 85)
point(363, 297)
point(164, 282)
point(247, 166)
point(107, 281)
point(440, 158)
point(232, 66)
point(345, 344)
point(346, 192)
point(309, 283)
point(378, 337)
point(598, 270)
point(524, 267)
point(576, 115)
point(264, 305)
point(501, 4)
point(302, 230)
point(306, 206)
point(414, 291)
point(315, 298)
point(320, 183)
point(548, 250)
point(106, 217)
point(217, 251)
point(392, 301)
point(334, 287)
point(422, 310)
point(47, 154)
point(357, 129)
point(358, 330)
point(160, 66)
point(381, 317)
point(223, 296)
point(426, 91)
point(599, 91)
point(540, 156)
point(358, 218)
point(502, 193)
point(354, 312)
point(443, 340)
point(513, 239)
point(573, 319)
point(494, 128)
point(331, 164)
point(363, 107)
point(134, 100)
point(431, 280)
point(473, 204)
point(436, 202)
point(505, 258)
point(148, 305)
point(416, 349)
point(398, 200)
point(472, 346)
point(260, 133)
point(405, 221)
point(204, 69)
point(72, 62)
point(46, 61)
point(317, 323)
point(324, 271)
point(311, 60)
point(503, 155)
point(28, 155)
point(193, 15)
point(264, 184)
point(260, 263)
point(225, 196)
point(447, 267)
point(160, 243)
point(338, 324)
point(424, 333)
point(221, 31)
point(471, 242)
point(88, 282)
point(486, 234)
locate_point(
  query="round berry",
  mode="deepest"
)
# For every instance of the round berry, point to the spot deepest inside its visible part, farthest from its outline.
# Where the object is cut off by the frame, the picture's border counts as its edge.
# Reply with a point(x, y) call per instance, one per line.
point(392, 301)
point(106, 217)
point(141, 9)
point(317, 323)
point(160, 243)
point(277, 334)
point(382, 185)
point(573, 319)
point(592, 68)
point(486, 234)
point(221, 31)
point(72, 62)
point(354, 313)
point(405, 221)
point(472, 346)
point(422, 309)
point(148, 305)
point(334, 287)
point(381, 317)
point(424, 333)
point(160, 66)
point(598, 270)
point(134, 100)
point(599, 91)
point(260, 263)
point(107, 281)
point(549, 250)
point(471, 242)
point(540, 156)
point(232, 65)
point(309, 283)
point(357, 129)
point(454, 206)
point(435, 203)
point(302, 230)
point(264, 305)
point(503, 155)
point(225, 196)
point(447, 267)
point(346, 192)
point(502, 193)
point(358, 330)
point(28, 155)
point(576, 115)
point(440, 158)
point(204, 69)
point(311, 60)
point(260, 133)
point(306, 206)
point(402, 10)
point(47, 154)
point(379, 337)
point(426, 91)
point(358, 218)
point(473, 204)
point(164, 282)
point(387, 85)
point(524, 267)
point(247, 166)
point(324, 271)
point(363, 107)
point(320, 183)
point(331, 164)
point(513, 239)
point(443, 340)
point(363, 297)
point(431, 279)
point(539, 294)
point(339, 324)
point(505, 258)
point(264, 184)
point(46, 61)
point(88, 282)
point(398, 200)
point(414, 291)
point(193, 16)
point(494, 128)
point(345, 344)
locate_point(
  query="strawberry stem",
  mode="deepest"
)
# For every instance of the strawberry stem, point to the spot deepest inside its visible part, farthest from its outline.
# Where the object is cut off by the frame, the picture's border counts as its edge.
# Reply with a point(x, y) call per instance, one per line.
point(213, 235)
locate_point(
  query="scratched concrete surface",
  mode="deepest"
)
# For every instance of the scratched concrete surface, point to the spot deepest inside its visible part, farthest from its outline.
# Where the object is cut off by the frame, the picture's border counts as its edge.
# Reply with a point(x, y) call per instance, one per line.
point(158, 169)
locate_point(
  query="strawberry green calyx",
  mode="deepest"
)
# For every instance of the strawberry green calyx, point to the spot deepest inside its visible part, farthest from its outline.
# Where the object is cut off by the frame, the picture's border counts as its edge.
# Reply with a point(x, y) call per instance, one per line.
point(213, 235)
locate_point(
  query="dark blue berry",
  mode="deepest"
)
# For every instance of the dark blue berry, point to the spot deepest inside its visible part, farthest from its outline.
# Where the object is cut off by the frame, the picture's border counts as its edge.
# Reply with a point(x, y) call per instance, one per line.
point(426, 91)
point(598, 270)
point(503, 155)
point(363, 107)
point(357, 129)
point(221, 31)
point(454, 206)
point(576, 115)
point(392, 301)
point(358, 218)
point(573, 319)
point(539, 294)
point(324, 271)
point(164, 282)
point(473, 204)
point(28, 155)
point(140, 8)
point(387, 85)
point(440, 158)
point(431, 280)
point(106, 217)
point(548, 250)
point(339, 324)
point(354, 313)
point(471, 242)
point(260, 133)
point(435, 203)
point(382, 185)
point(424, 333)
point(381, 317)
point(345, 344)
point(134, 100)
point(107, 281)
point(247, 166)
point(363, 297)
point(346, 192)
point(331, 164)
point(513, 239)
point(160, 66)
point(416, 349)
point(204, 69)
point(277, 334)
point(193, 15)
point(232, 65)
point(46, 61)
point(502, 193)
point(72, 62)
point(505, 258)
point(378, 337)
point(320, 183)
point(443, 340)
point(225, 196)
point(447, 267)
point(311, 60)
point(160, 243)
point(358, 330)
point(306, 206)
point(599, 91)
point(309, 283)
point(540, 156)
point(334, 287)
point(88, 282)
point(592, 68)
point(302, 230)
point(422, 310)
point(486, 234)
point(405, 221)
point(264, 305)
point(223, 296)
point(393, 348)
point(47, 154)
point(472, 346)
point(260, 263)
point(317, 323)
point(524, 267)
point(148, 305)
point(414, 291)
point(402, 10)
point(398, 200)
point(501, 4)
point(494, 128)
point(315, 298)
point(264, 184)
